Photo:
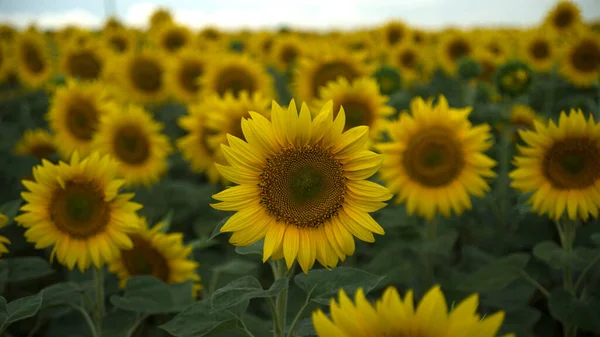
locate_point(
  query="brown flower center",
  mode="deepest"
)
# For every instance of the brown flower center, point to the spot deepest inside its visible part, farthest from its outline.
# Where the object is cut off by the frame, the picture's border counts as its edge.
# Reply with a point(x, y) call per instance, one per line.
point(357, 112)
point(235, 79)
point(118, 43)
point(331, 71)
point(189, 74)
point(585, 57)
point(144, 259)
point(84, 64)
point(573, 163)
point(457, 49)
point(146, 75)
point(395, 35)
point(131, 145)
point(289, 55)
point(540, 49)
point(42, 151)
point(408, 59)
point(32, 57)
point(82, 118)
point(174, 40)
point(564, 18)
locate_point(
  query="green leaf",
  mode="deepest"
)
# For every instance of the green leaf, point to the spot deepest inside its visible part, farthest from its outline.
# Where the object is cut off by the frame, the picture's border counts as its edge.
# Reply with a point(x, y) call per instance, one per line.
point(147, 294)
point(197, 320)
point(322, 284)
point(25, 268)
point(596, 238)
point(254, 249)
point(21, 308)
point(61, 293)
point(442, 244)
point(236, 267)
point(572, 311)
point(217, 231)
point(119, 323)
point(557, 258)
point(244, 289)
point(202, 242)
point(166, 221)
point(305, 328)
point(10, 209)
point(496, 275)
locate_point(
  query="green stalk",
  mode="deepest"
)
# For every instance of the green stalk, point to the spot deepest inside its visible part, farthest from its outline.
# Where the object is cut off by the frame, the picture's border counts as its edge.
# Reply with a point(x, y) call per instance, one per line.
point(99, 312)
point(567, 233)
point(279, 271)
point(430, 235)
point(503, 171)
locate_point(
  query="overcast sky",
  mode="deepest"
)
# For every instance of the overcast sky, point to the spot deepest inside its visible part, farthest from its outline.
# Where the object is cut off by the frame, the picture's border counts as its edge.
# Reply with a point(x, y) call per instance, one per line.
point(321, 14)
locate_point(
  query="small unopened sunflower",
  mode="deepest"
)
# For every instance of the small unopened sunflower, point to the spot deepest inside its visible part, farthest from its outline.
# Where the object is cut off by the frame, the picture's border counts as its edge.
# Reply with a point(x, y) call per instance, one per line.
point(76, 208)
point(172, 37)
point(38, 143)
point(3, 240)
point(142, 76)
point(134, 140)
point(33, 59)
point(514, 78)
point(362, 102)
point(581, 60)
point(560, 165)
point(436, 159)
point(393, 316)
point(302, 186)
point(235, 74)
point(539, 50)
point(453, 47)
point(185, 70)
point(158, 254)
point(74, 114)
point(564, 18)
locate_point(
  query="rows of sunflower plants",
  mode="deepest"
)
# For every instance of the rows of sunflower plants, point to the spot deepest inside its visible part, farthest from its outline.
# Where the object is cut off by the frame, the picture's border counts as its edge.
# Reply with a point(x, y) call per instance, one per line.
point(392, 181)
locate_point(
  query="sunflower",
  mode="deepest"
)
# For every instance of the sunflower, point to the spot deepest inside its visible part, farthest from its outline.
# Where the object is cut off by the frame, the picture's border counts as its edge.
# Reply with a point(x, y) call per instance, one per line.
point(394, 316)
point(362, 102)
point(286, 51)
point(38, 143)
point(134, 140)
point(158, 254)
point(262, 44)
point(209, 35)
point(185, 70)
point(395, 33)
point(33, 59)
point(5, 60)
point(453, 47)
point(487, 62)
point(524, 117)
point(420, 37)
point(119, 41)
point(409, 59)
point(436, 160)
point(76, 207)
point(8, 33)
point(3, 240)
point(315, 71)
point(565, 17)
point(142, 76)
point(303, 186)
point(581, 61)
point(74, 115)
point(111, 23)
point(538, 50)
point(83, 61)
point(159, 17)
point(560, 165)
point(235, 74)
point(172, 37)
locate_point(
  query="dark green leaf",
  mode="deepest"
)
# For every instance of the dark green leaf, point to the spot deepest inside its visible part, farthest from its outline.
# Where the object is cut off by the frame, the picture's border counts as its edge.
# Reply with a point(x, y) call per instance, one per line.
point(25, 268)
point(596, 238)
point(305, 328)
point(322, 284)
point(236, 267)
point(147, 294)
point(556, 257)
point(62, 293)
point(202, 242)
point(10, 209)
point(572, 311)
point(217, 231)
point(244, 289)
point(21, 308)
point(166, 221)
point(197, 320)
point(442, 244)
point(496, 275)
point(119, 323)
point(255, 248)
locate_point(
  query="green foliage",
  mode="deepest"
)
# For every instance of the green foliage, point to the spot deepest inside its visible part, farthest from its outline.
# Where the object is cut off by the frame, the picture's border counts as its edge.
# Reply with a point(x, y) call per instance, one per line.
point(496, 275)
point(149, 295)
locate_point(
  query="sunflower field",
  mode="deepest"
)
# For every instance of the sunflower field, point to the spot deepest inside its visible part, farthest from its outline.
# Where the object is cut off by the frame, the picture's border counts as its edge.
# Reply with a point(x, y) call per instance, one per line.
point(389, 182)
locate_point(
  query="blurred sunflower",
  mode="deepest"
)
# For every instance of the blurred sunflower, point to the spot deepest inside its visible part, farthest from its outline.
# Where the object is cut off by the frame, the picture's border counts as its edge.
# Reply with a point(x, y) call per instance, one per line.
point(361, 42)
point(395, 33)
point(172, 37)
point(161, 255)
point(3, 240)
point(564, 18)
point(38, 143)
point(560, 165)
point(235, 74)
point(286, 51)
point(303, 186)
point(436, 159)
point(76, 208)
point(160, 17)
point(183, 77)
point(262, 45)
point(488, 63)
point(5, 60)
point(119, 41)
point(538, 50)
point(394, 316)
point(524, 117)
point(111, 23)
point(362, 102)
point(84, 61)
point(142, 76)
point(581, 60)
point(33, 60)
point(209, 35)
point(453, 47)
point(497, 45)
point(409, 59)
point(74, 114)
point(8, 33)
point(134, 140)
point(419, 37)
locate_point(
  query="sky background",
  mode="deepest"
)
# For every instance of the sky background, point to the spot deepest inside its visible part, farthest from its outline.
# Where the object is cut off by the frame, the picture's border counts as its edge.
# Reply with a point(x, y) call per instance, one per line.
point(318, 14)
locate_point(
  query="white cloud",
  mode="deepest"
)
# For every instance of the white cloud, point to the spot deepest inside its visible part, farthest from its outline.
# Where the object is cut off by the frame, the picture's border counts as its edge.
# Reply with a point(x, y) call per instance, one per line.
point(53, 20)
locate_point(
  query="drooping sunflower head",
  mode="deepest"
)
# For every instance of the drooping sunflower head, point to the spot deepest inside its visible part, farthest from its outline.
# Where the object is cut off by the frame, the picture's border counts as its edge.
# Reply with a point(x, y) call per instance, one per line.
point(436, 159)
point(76, 208)
point(33, 59)
point(453, 47)
point(514, 78)
point(162, 255)
point(172, 37)
point(74, 115)
point(538, 50)
point(286, 52)
point(362, 102)
point(84, 61)
point(560, 164)
point(185, 70)
point(143, 76)
point(134, 140)
point(38, 143)
point(235, 74)
point(581, 60)
point(564, 17)
point(389, 80)
point(302, 186)
point(395, 33)
point(392, 315)
point(119, 41)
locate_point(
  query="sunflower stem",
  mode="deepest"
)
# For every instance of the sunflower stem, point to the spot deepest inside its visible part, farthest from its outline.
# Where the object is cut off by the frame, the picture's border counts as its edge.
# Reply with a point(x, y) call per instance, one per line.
point(280, 270)
point(99, 312)
point(503, 171)
point(430, 235)
point(567, 232)
point(549, 101)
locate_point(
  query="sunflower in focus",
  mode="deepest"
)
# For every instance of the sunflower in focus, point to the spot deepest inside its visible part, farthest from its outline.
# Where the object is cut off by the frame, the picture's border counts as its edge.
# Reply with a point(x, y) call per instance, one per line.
point(119, 41)
point(3, 240)
point(235, 74)
point(436, 159)
point(395, 33)
point(538, 50)
point(158, 254)
point(134, 140)
point(84, 61)
point(362, 102)
point(581, 60)
point(317, 70)
point(286, 51)
point(409, 59)
point(37, 143)
point(453, 47)
point(564, 18)
point(172, 37)
point(302, 186)
point(560, 165)
point(183, 77)
point(76, 208)
point(142, 76)
point(393, 316)
point(74, 115)
point(33, 59)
